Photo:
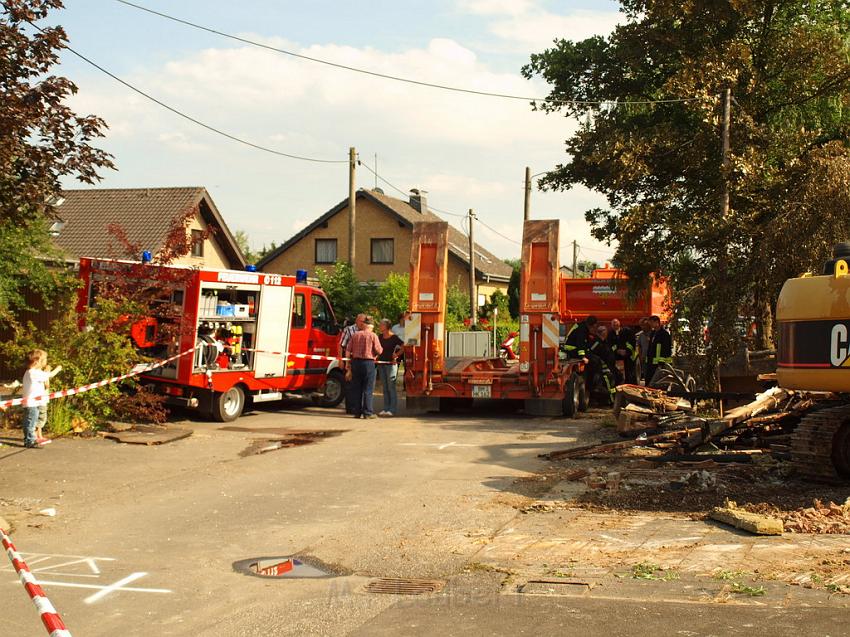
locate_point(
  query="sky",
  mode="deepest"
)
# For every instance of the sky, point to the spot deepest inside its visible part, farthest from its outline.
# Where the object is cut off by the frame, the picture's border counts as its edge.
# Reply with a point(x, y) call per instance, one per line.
point(466, 151)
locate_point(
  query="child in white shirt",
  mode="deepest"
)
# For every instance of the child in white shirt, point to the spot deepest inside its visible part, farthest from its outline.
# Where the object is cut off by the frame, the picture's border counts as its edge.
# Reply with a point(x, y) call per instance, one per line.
point(35, 386)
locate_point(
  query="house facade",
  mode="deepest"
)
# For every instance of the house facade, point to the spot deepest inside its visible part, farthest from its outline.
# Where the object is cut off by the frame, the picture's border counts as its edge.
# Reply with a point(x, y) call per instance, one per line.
point(383, 235)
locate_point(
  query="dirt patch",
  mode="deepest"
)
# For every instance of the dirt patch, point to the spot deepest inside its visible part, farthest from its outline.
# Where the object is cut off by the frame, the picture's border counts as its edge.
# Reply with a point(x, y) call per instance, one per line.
point(695, 490)
point(289, 438)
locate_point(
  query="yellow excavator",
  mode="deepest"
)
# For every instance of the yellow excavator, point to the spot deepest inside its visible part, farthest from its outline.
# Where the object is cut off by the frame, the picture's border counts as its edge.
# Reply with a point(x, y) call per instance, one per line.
point(813, 354)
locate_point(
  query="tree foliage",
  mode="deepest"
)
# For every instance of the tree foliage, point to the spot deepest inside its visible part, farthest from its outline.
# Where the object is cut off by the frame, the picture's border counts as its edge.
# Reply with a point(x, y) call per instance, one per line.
point(513, 287)
point(393, 296)
point(41, 141)
point(787, 63)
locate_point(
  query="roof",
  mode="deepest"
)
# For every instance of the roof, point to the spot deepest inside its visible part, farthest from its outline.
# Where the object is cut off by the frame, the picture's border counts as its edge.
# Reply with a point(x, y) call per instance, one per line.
point(145, 214)
point(487, 265)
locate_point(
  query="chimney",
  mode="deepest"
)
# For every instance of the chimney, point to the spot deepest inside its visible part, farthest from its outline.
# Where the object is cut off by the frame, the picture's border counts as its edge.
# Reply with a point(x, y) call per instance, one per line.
point(419, 199)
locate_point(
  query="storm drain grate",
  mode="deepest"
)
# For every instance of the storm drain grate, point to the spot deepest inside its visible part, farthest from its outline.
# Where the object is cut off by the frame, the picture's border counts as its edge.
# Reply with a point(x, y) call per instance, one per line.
point(404, 586)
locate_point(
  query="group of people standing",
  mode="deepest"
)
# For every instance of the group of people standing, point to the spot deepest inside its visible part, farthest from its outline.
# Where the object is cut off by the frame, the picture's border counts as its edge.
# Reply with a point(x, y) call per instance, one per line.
point(370, 356)
point(641, 351)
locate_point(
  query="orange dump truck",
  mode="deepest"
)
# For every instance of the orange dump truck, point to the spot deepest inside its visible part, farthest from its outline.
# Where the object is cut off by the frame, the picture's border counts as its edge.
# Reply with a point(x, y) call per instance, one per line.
point(606, 296)
point(546, 383)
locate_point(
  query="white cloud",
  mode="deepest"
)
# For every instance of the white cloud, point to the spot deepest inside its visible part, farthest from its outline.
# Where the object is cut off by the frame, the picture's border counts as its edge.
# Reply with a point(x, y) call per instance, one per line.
point(536, 31)
point(468, 151)
point(525, 25)
point(181, 142)
point(496, 7)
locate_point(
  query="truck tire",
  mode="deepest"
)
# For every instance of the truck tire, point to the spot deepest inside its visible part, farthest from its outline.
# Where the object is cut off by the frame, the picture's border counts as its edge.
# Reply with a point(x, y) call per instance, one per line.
point(571, 397)
point(583, 397)
point(334, 390)
point(227, 406)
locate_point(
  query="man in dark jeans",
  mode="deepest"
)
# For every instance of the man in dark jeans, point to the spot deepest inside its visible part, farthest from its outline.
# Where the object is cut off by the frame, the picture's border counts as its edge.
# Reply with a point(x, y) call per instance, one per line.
point(363, 348)
point(347, 332)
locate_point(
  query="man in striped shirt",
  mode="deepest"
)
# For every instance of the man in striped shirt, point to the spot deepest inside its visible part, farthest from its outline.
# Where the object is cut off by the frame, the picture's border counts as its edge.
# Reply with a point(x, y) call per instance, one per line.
point(363, 349)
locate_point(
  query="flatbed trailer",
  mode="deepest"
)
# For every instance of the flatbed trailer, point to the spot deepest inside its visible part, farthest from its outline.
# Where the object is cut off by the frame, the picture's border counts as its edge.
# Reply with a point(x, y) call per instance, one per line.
point(546, 383)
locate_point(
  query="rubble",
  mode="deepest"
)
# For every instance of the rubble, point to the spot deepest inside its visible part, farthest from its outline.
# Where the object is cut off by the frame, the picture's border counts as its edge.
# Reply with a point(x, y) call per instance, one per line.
point(829, 518)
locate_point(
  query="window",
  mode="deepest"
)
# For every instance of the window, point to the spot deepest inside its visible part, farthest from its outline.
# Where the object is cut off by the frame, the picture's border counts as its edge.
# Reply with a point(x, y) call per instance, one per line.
point(299, 315)
point(323, 318)
point(197, 243)
point(325, 250)
point(382, 251)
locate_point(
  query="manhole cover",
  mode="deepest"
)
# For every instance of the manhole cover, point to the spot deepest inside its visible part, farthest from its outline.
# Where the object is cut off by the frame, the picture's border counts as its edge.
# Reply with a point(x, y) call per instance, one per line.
point(404, 586)
point(287, 567)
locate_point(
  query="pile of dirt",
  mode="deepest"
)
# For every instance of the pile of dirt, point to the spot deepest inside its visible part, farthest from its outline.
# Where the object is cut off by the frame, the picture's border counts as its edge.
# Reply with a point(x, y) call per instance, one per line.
point(830, 518)
point(674, 488)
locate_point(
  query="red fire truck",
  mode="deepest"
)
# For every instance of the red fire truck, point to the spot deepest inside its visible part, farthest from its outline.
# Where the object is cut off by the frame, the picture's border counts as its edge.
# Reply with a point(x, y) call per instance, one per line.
point(233, 320)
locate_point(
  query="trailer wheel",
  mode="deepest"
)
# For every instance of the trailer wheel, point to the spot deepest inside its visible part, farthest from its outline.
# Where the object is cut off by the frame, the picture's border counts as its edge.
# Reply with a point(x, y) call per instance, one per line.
point(334, 390)
point(583, 398)
point(571, 397)
point(227, 406)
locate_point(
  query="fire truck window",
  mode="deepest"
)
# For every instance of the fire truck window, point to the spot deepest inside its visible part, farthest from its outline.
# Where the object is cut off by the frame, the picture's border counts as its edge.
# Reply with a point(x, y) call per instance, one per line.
point(322, 317)
point(299, 316)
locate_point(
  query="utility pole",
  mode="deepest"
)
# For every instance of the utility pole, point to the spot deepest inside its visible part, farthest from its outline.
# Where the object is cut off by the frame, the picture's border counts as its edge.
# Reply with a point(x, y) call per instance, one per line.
point(575, 258)
point(527, 206)
point(473, 296)
point(724, 162)
point(352, 203)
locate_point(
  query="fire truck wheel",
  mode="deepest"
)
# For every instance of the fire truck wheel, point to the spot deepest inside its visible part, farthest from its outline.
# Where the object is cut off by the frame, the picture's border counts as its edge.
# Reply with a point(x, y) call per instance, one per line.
point(334, 391)
point(228, 406)
point(571, 397)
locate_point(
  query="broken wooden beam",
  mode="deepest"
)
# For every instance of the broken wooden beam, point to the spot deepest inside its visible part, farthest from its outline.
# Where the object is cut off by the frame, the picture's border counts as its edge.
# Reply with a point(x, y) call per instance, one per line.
point(751, 522)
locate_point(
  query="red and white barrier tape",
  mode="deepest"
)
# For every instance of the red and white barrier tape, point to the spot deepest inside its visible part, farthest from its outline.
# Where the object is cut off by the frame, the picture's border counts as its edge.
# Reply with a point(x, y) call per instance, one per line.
point(142, 368)
point(49, 617)
point(309, 357)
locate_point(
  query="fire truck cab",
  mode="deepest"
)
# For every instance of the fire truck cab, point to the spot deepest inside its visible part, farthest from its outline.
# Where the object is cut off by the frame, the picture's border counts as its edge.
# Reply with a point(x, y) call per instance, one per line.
point(240, 331)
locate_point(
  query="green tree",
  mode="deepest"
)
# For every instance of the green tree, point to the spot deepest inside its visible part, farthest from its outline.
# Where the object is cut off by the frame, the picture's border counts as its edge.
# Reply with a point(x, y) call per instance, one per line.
point(585, 268)
point(658, 162)
point(244, 243)
point(41, 142)
point(347, 295)
point(393, 296)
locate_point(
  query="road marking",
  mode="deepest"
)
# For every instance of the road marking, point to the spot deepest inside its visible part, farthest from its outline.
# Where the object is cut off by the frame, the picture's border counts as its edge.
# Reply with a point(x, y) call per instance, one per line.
point(107, 590)
point(439, 445)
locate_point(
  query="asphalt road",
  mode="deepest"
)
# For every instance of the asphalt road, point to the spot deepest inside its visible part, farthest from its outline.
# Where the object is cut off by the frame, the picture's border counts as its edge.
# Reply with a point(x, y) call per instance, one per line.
point(145, 538)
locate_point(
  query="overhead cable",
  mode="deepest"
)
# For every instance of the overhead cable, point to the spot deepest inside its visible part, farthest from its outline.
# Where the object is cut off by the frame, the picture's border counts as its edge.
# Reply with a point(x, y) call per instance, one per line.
point(397, 78)
point(197, 121)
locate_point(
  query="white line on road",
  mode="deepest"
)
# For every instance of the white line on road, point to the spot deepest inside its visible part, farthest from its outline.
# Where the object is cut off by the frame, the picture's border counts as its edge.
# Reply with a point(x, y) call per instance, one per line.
point(118, 586)
point(439, 445)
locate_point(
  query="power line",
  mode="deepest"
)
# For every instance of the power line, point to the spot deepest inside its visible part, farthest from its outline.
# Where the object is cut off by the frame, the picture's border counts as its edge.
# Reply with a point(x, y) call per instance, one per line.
point(397, 78)
point(403, 193)
point(494, 231)
point(197, 121)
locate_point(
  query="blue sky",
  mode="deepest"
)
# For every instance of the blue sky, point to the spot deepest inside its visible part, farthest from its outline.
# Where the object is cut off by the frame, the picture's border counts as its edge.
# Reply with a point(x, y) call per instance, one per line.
point(467, 152)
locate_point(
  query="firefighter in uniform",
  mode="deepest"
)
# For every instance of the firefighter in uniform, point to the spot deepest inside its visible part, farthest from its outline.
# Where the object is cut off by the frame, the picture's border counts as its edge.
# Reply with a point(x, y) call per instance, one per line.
point(607, 363)
point(579, 340)
point(624, 344)
point(660, 348)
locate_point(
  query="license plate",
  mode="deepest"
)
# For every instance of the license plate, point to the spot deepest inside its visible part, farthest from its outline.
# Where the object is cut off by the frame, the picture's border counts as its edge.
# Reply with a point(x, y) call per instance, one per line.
point(481, 391)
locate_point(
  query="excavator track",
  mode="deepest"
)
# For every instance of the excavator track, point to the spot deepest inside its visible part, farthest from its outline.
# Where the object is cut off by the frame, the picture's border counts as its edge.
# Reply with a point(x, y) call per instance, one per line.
point(820, 446)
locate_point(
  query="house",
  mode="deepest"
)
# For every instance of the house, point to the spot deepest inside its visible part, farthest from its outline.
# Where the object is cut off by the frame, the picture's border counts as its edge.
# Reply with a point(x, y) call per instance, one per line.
point(383, 235)
point(147, 216)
